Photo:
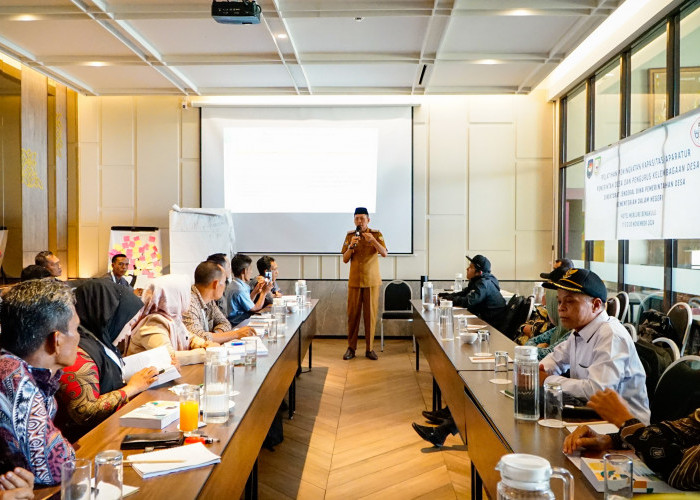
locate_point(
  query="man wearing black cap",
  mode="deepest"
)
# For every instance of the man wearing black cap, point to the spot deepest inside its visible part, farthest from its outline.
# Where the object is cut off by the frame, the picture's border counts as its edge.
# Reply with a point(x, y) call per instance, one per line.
point(483, 293)
point(361, 248)
point(599, 353)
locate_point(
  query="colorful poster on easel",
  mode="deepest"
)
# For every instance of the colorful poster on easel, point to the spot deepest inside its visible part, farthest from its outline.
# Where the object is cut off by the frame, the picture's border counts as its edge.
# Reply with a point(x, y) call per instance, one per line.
point(3, 243)
point(141, 246)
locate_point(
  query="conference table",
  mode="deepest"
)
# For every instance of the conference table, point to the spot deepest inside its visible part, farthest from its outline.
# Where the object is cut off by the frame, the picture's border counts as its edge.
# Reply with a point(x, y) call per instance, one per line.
point(484, 416)
point(261, 391)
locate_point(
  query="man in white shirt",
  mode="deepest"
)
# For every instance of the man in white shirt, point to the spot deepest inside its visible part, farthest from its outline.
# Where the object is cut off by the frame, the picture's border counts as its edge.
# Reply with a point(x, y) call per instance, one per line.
point(599, 353)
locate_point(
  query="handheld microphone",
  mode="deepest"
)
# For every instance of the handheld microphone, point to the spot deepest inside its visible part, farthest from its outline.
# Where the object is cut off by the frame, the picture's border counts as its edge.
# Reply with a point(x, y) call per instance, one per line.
point(358, 231)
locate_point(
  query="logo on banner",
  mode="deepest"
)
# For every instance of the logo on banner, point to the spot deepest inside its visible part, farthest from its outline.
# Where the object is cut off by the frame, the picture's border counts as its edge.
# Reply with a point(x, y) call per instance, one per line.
point(593, 167)
point(695, 132)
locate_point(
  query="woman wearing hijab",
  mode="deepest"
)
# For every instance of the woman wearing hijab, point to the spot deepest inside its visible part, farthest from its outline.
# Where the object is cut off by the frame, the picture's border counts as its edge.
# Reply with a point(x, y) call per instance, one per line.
point(546, 341)
point(160, 322)
point(93, 387)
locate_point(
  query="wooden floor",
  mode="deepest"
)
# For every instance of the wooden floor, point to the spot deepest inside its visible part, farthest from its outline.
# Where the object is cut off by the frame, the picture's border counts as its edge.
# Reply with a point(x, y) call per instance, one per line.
point(351, 436)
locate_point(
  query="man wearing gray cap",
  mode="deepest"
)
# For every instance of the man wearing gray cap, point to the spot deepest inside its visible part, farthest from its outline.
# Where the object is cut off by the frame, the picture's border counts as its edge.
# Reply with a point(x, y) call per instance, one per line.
point(361, 248)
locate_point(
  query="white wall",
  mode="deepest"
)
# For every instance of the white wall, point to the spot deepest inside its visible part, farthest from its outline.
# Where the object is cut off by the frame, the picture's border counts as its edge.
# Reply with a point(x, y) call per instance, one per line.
point(483, 182)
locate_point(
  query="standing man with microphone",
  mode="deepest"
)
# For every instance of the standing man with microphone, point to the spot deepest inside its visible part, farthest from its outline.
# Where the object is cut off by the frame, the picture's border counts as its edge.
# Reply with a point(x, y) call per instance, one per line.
point(362, 248)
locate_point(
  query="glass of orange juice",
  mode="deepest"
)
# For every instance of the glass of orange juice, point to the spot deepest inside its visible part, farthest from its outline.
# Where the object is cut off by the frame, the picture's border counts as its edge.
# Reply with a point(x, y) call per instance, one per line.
point(189, 409)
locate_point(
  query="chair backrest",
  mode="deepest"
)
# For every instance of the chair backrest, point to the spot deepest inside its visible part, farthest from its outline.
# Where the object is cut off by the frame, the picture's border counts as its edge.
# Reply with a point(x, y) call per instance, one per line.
point(647, 302)
point(613, 307)
point(694, 302)
point(624, 306)
point(677, 394)
point(681, 317)
point(632, 331)
point(397, 296)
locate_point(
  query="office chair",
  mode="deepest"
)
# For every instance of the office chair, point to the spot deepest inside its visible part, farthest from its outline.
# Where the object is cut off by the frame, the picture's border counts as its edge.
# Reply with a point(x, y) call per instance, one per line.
point(397, 305)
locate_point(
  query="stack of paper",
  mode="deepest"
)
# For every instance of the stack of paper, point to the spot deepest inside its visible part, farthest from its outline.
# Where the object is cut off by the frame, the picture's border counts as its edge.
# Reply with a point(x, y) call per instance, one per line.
point(171, 460)
point(152, 415)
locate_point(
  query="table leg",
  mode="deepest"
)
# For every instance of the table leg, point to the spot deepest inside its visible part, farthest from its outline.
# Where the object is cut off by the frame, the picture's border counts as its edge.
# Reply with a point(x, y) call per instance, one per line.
point(437, 396)
point(292, 399)
point(417, 356)
point(251, 486)
point(477, 485)
point(311, 351)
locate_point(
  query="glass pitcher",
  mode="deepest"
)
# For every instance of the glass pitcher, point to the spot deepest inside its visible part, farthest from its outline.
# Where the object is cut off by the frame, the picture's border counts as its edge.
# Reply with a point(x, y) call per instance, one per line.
point(526, 477)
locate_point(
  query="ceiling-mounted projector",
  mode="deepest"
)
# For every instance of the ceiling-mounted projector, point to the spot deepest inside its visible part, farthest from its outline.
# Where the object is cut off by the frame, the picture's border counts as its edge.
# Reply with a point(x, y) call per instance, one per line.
point(246, 12)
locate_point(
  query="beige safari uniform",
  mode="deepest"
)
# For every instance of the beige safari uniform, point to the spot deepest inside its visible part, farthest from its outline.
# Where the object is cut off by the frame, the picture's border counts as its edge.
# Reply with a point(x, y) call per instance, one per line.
point(364, 286)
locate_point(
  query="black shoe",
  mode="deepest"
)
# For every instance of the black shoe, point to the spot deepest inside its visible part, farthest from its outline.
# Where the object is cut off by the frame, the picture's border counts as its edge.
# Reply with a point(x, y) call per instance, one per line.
point(349, 354)
point(434, 435)
point(438, 416)
point(371, 355)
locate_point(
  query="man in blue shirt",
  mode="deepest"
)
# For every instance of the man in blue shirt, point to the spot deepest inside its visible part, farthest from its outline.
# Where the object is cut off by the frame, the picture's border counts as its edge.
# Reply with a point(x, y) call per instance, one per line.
point(239, 296)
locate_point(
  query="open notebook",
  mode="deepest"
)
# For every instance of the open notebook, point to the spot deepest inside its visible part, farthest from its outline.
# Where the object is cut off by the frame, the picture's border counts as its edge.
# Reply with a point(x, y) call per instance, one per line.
point(158, 357)
point(176, 459)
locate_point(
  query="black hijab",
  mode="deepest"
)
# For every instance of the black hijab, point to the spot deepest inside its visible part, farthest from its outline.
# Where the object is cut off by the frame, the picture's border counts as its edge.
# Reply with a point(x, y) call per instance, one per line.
point(104, 309)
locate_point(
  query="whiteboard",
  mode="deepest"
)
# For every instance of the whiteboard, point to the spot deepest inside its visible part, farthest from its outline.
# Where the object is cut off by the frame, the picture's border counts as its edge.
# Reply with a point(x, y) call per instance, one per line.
point(196, 233)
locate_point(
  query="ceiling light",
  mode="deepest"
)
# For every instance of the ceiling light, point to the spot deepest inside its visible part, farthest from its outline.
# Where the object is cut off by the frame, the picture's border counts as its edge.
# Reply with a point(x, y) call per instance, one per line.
point(520, 12)
point(26, 17)
point(96, 64)
point(282, 35)
point(487, 61)
point(359, 19)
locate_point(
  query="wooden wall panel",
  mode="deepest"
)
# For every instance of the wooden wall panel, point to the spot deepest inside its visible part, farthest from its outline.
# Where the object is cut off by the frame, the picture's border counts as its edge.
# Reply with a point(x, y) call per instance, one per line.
point(35, 201)
point(61, 149)
point(12, 183)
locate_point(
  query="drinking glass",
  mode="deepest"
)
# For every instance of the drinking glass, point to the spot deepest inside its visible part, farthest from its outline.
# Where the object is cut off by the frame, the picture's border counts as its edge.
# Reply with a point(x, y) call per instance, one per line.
point(109, 475)
point(232, 358)
point(618, 476)
point(307, 299)
point(76, 480)
point(272, 332)
point(553, 405)
point(500, 369)
point(251, 351)
point(484, 348)
point(462, 324)
point(189, 409)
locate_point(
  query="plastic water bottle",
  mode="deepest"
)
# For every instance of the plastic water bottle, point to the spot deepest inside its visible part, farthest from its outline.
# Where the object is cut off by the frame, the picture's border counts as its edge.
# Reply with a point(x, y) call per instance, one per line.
point(526, 385)
point(459, 282)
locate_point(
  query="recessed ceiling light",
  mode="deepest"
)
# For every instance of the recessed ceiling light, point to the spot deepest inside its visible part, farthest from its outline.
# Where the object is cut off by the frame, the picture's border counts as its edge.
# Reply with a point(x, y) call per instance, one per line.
point(282, 35)
point(359, 19)
point(96, 64)
point(487, 61)
point(26, 17)
point(520, 12)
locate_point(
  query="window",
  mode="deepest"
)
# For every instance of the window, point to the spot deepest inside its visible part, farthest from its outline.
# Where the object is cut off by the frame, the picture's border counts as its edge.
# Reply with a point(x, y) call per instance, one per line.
point(607, 106)
point(648, 69)
point(690, 59)
point(573, 214)
point(644, 275)
point(576, 124)
point(604, 262)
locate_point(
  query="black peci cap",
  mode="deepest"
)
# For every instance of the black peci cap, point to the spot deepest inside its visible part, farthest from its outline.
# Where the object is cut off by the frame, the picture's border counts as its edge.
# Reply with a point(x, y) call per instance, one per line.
point(558, 272)
point(361, 211)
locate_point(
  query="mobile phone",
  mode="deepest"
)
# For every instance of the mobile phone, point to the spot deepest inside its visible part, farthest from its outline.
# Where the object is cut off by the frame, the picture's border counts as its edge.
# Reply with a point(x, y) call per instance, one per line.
point(268, 276)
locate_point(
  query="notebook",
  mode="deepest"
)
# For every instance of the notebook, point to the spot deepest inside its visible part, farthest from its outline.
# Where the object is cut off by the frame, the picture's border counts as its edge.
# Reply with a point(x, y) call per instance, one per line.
point(152, 415)
point(193, 456)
